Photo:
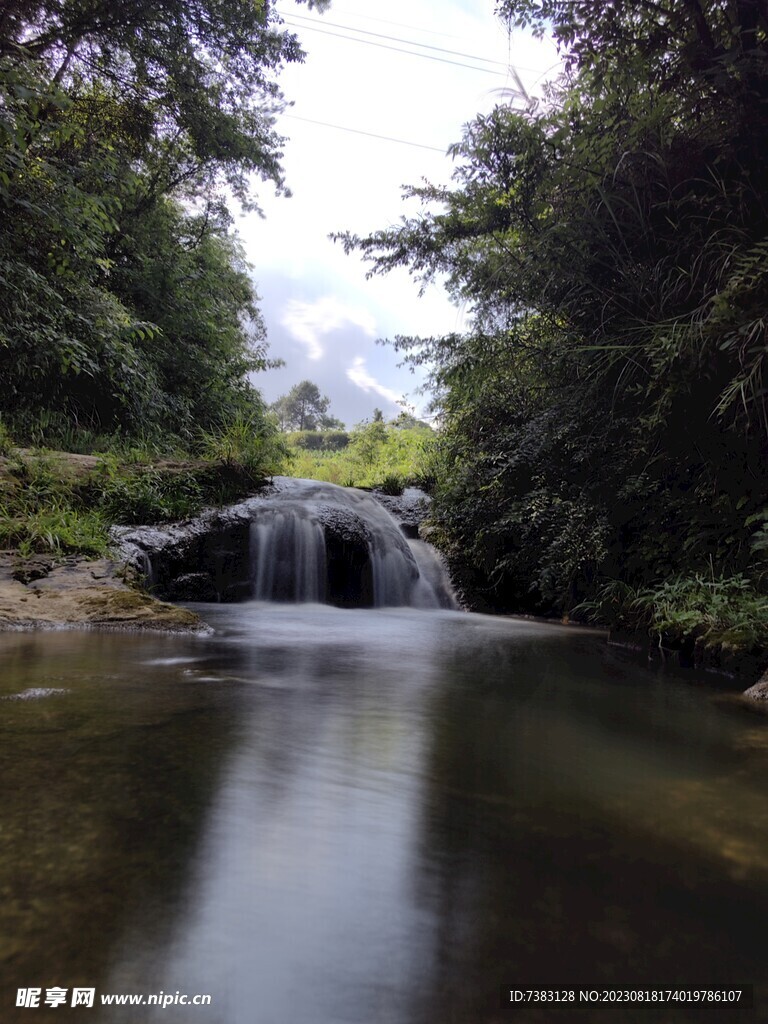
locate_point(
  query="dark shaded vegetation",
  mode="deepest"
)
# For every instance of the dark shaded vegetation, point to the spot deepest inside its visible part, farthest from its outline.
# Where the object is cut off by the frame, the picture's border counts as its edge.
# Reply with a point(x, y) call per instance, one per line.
point(320, 440)
point(126, 307)
point(605, 418)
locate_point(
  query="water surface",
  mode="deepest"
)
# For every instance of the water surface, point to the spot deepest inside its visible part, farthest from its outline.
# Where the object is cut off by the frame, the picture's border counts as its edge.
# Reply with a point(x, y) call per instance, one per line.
point(331, 816)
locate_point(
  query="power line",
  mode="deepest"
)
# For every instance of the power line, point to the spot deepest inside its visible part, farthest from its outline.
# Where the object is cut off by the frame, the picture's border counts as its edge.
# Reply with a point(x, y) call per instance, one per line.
point(410, 42)
point(383, 21)
point(397, 49)
point(359, 131)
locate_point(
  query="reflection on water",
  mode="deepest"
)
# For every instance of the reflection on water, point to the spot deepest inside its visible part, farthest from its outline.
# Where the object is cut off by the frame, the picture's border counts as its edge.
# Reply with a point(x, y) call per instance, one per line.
point(371, 816)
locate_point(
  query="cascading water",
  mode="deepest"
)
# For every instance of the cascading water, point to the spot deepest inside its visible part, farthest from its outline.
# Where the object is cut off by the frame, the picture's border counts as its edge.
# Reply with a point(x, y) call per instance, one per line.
point(313, 541)
point(287, 558)
point(296, 541)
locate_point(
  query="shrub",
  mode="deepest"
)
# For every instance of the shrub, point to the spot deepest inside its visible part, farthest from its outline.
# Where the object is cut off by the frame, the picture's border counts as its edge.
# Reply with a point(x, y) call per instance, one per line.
point(729, 610)
point(249, 443)
point(392, 484)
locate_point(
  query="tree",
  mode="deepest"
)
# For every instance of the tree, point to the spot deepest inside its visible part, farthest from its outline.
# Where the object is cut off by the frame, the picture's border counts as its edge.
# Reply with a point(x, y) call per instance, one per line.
point(200, 72)
point(304, 408)
point(126, 302)
point(603, 412)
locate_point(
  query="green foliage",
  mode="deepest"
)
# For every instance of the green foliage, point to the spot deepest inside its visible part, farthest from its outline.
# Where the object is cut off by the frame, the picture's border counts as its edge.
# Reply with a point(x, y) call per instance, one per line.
point(319, 440)
point(249, 443)
point(392, 484)
point(53, 503)
point(57, 528)
point(713, 610)
point(6, 441)
point(127, 305)
point(41, 513)
point(376, 452)
point(606, 413)
point(149, 496)
point(368, 442)
point(200, 75)
point(304, 409)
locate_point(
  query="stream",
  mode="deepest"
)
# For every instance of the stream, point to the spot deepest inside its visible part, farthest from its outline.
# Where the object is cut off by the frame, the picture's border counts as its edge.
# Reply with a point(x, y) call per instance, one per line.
point(383, 815)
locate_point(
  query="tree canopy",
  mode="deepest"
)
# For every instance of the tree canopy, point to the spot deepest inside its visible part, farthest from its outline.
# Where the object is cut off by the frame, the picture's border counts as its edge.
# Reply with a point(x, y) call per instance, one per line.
point(605, 417)
point(304, 408)
point(127, 304)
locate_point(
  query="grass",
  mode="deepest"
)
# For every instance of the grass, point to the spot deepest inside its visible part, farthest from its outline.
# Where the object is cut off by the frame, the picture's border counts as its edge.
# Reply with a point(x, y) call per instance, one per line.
point(245, 443)
point(389, 458)
point(58, 528)
point(6, 441)
point(730, 611)
point(55, 503)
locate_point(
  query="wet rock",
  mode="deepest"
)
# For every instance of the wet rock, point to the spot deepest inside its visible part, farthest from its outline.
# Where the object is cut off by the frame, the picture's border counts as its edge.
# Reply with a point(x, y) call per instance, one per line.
point(196, 560)
point(80, 593)
point(30, 569)
point(237, 592)
point(343, 525)
point(410, 508)
point(194, 586)
point(759, 691)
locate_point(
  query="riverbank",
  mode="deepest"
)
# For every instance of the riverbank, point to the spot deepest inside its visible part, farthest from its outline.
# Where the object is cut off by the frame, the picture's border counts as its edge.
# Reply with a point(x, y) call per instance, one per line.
point(48, 593)
point(59, 565)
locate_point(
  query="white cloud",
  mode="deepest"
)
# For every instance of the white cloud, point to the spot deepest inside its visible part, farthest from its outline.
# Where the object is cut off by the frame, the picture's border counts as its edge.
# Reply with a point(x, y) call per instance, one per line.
point(358, 374)
point(343, 180)
point(308, 322)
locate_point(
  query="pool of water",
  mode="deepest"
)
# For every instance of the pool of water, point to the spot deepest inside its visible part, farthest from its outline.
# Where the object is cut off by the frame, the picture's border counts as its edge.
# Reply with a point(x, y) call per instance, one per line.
point(329, 816)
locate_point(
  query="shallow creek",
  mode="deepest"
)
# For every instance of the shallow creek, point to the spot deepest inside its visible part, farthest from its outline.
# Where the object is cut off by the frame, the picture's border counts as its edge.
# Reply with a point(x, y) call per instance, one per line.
point(330, 816)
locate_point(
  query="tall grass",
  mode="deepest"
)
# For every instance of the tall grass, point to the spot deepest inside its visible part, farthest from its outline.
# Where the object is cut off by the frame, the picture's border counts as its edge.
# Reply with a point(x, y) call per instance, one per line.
point(725, 610)
point(394, 458)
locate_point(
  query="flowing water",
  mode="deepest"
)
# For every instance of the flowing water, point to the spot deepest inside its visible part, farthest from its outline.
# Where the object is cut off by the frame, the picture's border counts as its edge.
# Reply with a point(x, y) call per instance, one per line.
point(330, 816)
point(288, 547)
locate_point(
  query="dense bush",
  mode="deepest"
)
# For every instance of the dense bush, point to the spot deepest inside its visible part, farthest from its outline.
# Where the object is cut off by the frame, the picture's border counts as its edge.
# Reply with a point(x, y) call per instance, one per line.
point(605, 417)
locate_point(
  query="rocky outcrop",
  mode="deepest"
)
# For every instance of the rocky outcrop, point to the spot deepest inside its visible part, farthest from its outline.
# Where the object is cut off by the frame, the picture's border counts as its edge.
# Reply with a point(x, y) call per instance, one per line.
point(216, 545)
point(40, 593)
point(357, 553)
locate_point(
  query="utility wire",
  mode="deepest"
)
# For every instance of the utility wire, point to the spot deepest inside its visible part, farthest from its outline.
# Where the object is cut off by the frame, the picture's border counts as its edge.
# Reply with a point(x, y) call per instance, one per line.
point(398, 39)
point(359, 131)
point(397, 49)
point(383, 21)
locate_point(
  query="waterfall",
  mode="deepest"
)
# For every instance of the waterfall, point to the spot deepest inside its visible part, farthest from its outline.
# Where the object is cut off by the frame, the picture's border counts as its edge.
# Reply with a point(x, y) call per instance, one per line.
point(287, 558)
point(314, 541)
point(295, 541)
point(433, 588)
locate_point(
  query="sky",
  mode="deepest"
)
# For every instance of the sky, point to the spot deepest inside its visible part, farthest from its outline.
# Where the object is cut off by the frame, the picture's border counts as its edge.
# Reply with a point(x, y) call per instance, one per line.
point(323, 317)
